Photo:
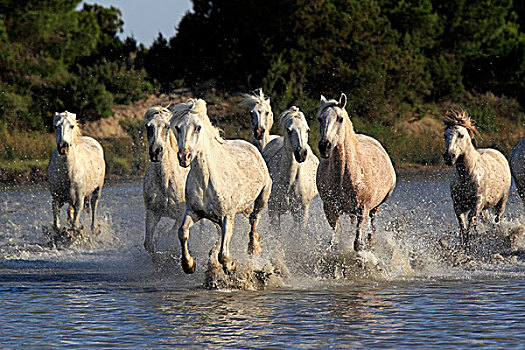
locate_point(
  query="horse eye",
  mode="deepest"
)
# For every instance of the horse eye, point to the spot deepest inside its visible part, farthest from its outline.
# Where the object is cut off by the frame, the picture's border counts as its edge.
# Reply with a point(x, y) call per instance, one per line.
point(460, 136)
point(340, 119)
point(177, 129)
point(198, 128)
point(289, 131)
point(71, 126)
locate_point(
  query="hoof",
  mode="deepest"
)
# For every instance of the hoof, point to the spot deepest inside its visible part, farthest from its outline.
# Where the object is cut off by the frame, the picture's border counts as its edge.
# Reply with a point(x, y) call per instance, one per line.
point(188, 266)
point(254, 248)
point(229, 266)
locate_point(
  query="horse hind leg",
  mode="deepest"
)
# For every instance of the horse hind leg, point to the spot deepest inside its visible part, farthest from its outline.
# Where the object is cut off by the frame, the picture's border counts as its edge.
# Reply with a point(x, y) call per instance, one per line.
point(499, 209)
point(254, 247)
point(371, 239)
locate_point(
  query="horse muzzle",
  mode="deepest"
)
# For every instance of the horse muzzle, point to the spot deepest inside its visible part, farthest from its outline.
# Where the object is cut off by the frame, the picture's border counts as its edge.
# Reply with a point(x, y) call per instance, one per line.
point(325, 148)
point(155, 154)
point(300, 155)
point(185, 158)
point(62, 148)
point(258, 133)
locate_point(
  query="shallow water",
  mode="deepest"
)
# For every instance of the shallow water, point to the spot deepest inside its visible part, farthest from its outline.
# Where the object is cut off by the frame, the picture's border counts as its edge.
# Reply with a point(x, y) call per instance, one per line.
point(107, 292)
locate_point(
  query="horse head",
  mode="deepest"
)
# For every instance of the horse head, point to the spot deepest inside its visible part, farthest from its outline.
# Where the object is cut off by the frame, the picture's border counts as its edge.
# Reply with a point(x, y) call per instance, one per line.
point(331, 115)
point(192, 128)
point(295, 130)
point(158, 131)
point(459, 135)
point(261, 115)
point(66, 131)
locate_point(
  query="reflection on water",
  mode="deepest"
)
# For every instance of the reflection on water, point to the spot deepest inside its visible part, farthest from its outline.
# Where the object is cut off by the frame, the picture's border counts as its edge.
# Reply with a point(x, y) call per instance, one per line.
point(108, 294)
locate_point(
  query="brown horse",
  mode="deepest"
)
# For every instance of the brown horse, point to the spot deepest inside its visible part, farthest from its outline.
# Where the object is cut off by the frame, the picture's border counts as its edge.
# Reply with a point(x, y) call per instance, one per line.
point(355, 175)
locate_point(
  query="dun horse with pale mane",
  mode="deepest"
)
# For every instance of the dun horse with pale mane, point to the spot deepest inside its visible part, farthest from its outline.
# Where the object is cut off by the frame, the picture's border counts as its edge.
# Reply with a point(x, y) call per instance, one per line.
point(481, 177)
point(76, 170)
point(227, 177)
point(355, 175)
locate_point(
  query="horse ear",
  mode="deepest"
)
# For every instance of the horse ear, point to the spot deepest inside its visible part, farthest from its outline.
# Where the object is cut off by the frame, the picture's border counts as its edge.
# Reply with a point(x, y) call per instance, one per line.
point(261, 93)
point(342, 101)
point(323, 99)
point(55, 118)
point(268, 100)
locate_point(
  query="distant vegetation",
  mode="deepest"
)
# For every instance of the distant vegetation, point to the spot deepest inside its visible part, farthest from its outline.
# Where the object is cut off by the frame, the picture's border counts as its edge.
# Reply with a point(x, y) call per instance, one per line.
point(397, 61)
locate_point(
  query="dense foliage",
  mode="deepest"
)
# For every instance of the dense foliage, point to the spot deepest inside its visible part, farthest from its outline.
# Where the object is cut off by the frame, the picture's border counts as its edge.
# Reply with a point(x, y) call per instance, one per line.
point(54, 58)
point(382, 53)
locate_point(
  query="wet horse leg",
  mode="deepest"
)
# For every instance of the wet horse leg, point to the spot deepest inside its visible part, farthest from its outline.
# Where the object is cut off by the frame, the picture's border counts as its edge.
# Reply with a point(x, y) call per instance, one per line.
point(56, 205)
point(371, 235)
point(94, 205)
point(213, 261)
point(152, 219)
point(228, 264)
point(79, 205)
point(363, 216)
point(254, 247)
point(189, 219)
point(332, 216)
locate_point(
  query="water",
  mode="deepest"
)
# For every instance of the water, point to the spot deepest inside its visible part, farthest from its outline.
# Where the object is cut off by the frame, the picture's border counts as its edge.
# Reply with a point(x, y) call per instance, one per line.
point(107, 292)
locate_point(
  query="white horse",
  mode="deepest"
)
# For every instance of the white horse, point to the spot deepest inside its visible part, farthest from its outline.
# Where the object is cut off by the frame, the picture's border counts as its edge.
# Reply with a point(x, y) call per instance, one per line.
point(293, 168)
point(165, 180)
point(261, 118)
point(226, 177)
point(76, 170)
point(355, 175)
point(481, 177)
point(517, 167)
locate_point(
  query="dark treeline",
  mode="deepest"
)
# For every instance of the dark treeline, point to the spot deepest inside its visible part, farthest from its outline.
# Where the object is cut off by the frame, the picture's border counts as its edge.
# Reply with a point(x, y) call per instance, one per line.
point(383, 54)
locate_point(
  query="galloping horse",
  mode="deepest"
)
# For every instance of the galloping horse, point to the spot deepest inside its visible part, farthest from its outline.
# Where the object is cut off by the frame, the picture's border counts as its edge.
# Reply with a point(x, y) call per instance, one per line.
point(261, 118)
point(481, 177)
point(293, 167)
point(76, 170)
point(165, 180)
point(226, 178)
point(355, 175)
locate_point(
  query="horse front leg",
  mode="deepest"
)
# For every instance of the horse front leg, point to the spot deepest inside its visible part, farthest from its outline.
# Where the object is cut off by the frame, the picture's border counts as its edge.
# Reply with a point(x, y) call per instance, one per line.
point(188, 220)
point(363, 216)
point(300, 216)
point(152, 219)
point(254, 247)
point(472, 216)
point(79, 205)
point(332, 216)
point(94, 205)
point(228, 264)
point(55, 205)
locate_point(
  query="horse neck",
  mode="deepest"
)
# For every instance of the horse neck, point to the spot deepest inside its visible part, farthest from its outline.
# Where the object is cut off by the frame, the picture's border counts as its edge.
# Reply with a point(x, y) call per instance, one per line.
point(288, 165)
point(468, 162)
point(345, 157)
point(168, 162)
point(208, 163)
point(260, 144)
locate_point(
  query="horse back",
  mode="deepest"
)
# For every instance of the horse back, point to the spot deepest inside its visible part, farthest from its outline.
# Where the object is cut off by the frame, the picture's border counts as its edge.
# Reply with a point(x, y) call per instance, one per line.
point(378, 171)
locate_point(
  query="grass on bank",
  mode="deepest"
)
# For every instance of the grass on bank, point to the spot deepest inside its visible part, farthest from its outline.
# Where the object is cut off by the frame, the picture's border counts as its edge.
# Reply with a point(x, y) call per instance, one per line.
point(24, 155)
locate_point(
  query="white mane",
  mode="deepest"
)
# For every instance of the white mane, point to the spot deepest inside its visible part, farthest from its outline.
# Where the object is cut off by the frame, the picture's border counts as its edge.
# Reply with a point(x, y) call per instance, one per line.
point(197, 107)
point(290, 113)
point(163, 112)
point(257, 97)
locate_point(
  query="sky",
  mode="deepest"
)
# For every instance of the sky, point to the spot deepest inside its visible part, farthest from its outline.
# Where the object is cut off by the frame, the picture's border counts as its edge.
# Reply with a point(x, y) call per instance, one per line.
point(144, 19)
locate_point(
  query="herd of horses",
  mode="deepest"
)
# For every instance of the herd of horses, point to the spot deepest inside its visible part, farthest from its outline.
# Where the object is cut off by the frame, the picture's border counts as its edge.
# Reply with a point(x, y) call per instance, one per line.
point(194, 173)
